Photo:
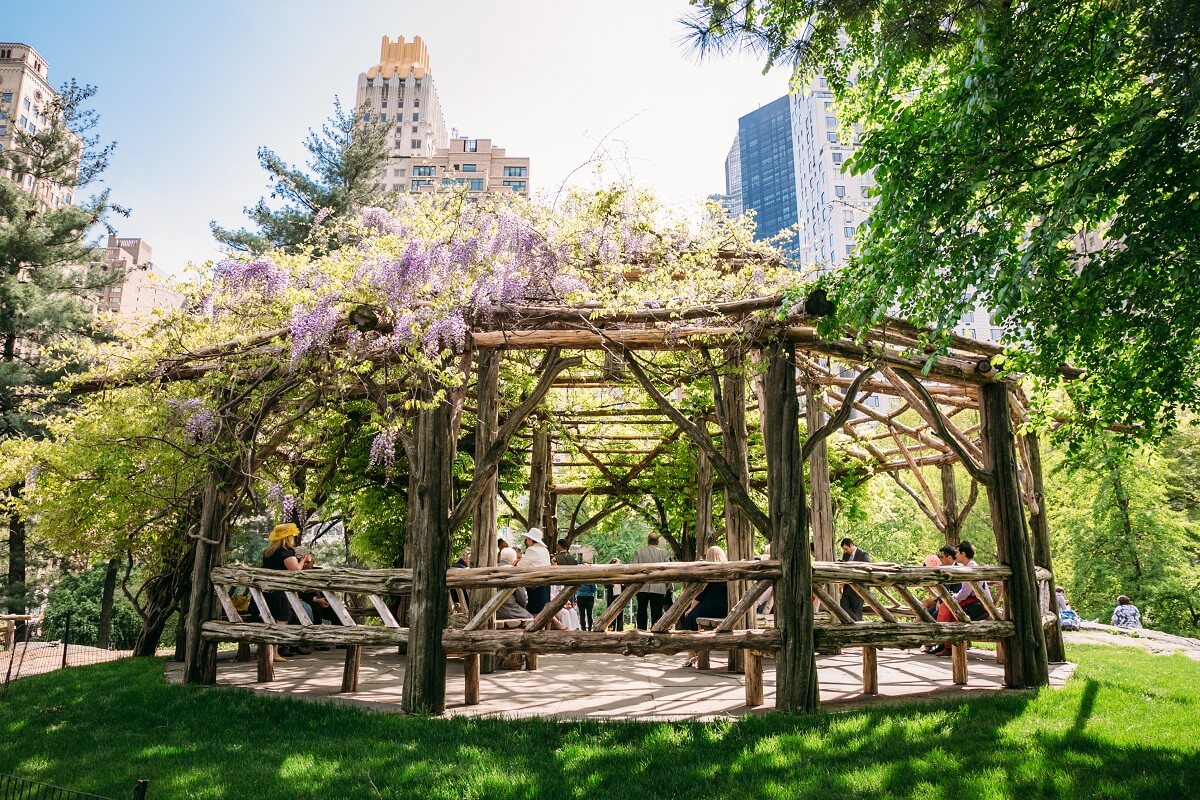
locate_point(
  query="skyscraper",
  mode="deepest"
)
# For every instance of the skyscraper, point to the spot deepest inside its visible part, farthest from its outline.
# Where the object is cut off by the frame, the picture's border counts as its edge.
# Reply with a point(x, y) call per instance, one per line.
point(832, 203)
point(400, 91)
point(733, 178)
point(25, 100)
point(766, 167)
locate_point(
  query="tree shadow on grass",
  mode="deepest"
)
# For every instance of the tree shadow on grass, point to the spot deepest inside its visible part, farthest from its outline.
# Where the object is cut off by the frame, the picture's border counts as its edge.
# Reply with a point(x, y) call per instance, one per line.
point(99, 728)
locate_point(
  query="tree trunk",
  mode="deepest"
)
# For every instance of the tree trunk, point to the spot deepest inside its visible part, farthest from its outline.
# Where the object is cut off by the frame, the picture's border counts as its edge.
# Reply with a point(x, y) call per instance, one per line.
point(16, 593)
point(818, 476)
point(429, 506)
point(1039, 528)
point(539, 477)
point(796, 666)
point(200, 656)
point(1025, 662)
point(104, 634)
point(953, 529)
point(705, 535)
point(483, 520)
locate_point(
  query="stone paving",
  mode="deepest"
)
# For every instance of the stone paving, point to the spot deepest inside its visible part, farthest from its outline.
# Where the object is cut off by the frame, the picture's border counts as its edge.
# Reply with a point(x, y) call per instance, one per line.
point(608, 686)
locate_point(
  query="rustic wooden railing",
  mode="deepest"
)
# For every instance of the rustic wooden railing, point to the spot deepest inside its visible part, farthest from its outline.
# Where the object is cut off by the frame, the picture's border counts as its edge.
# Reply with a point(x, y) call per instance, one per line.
point(899, 619)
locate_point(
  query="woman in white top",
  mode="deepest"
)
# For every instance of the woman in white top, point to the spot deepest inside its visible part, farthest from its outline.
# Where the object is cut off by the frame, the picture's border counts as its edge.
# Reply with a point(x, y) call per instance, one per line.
point(536, 555)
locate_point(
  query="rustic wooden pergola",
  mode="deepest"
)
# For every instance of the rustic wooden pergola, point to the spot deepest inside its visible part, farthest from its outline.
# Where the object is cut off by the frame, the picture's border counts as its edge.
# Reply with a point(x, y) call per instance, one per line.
point(968, 415)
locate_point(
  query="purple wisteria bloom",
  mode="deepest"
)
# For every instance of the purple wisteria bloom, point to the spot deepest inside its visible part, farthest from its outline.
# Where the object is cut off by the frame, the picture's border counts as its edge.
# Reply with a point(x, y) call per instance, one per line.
point(383, 449)
point(201, 426)
point(448, 332)
point(380, 220)
point(260, 275)
point(313, 328)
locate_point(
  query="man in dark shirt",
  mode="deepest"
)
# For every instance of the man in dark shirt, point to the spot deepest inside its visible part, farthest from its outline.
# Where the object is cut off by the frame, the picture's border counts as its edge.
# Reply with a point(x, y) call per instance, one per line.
point(563, 556)
point(852, 602)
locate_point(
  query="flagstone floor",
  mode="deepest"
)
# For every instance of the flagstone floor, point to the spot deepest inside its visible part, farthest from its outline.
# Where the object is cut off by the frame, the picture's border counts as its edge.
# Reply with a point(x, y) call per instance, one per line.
point(609, 686)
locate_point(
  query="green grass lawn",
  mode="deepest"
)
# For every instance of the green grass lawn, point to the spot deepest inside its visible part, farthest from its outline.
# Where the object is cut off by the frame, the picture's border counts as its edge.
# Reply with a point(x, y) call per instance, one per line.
point(1126, 726)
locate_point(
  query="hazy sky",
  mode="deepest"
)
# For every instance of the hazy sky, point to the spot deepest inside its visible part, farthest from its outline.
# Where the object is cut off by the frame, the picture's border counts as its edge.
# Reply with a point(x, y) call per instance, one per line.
point(190, 90)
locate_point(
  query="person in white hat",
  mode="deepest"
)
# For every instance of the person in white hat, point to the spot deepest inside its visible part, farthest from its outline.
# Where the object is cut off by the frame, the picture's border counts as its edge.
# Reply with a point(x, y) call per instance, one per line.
point(536, 555)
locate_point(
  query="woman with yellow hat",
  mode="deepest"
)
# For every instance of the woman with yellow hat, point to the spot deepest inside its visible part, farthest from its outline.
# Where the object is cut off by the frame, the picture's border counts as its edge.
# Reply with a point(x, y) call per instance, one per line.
point(280, 553)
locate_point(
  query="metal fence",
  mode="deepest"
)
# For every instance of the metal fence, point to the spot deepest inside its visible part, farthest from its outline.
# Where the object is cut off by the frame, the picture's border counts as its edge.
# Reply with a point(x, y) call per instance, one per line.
point(33, 648)
point(14, 788)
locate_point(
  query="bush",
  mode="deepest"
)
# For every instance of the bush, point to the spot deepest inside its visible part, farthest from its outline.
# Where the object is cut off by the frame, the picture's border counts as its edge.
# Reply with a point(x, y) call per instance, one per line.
point(80, 595)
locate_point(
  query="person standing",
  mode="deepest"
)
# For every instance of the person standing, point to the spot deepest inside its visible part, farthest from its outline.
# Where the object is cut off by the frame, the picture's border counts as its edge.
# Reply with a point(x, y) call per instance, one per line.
point(585, 601)
point(611, 591)
point(652, 599)
point(280, 553)
point(536, 555)
point(851, 601)
point(713, 601)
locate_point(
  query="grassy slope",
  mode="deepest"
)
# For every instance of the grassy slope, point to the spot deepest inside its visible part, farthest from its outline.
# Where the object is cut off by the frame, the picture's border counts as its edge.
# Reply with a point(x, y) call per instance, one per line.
point(1128, 725)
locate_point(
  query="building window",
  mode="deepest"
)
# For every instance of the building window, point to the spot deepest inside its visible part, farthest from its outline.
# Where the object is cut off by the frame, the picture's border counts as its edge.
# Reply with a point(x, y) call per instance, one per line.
point(397, 187)
point(416, 184)
point(839, 190)
point(396, 173)
point(25, 104)
point(468, 168)
point(417, 100)
point(3, 130)
point(471, 146)
point(23, 122)
point(848, 216)
point(417, 144)
point(416, 117)
point(848, 231)
point(6, 97)
point(829, 105)
point(516, 186)
point(832, 136)
point(6, 53)
point(849, 249)
point(383, 104)
point(837, 158)
point(515, 172)
point(399, 118)
point(383, 118)
point(424, 170)
point(414, 129)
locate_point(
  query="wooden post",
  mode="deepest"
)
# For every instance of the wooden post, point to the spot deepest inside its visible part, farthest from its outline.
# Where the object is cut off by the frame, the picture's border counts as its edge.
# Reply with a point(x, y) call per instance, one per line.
point(471, 679)
point(953, 529)
point(539, 477)
point(1039, 528)
point(870, 670)
point(1025, 664)
point(752, 663)
point(705, 535)
point(739, 533)
point(795, 664)
point(483, 520)
point(266, 663)
point(958, 663)
point(429, 502)
point(350, 670)
point(818, 477)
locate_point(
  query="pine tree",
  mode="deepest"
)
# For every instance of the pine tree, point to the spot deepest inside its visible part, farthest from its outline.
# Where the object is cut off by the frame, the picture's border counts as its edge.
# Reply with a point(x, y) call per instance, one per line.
point(50, 272)
point(346, 156)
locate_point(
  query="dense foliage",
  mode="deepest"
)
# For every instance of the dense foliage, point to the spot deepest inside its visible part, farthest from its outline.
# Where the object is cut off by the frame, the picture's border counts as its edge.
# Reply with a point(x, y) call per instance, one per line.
point(1040, 160)
point(77, 596)
point(345, 159)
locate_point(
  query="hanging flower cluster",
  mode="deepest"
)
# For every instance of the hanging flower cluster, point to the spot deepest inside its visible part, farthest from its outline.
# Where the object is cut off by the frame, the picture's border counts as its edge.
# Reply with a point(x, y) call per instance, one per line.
point(199, 423)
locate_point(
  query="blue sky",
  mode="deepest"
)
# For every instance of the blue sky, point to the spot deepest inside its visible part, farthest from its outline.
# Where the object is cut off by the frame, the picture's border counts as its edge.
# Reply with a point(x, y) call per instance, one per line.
point(190, 90)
